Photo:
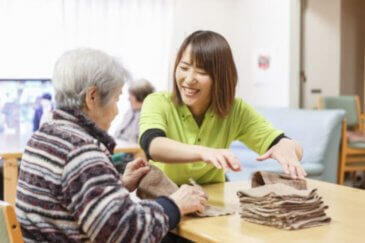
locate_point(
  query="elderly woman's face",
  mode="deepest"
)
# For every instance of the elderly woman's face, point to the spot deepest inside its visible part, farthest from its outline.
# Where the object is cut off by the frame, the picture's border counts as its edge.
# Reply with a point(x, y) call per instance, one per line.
point(103, 115)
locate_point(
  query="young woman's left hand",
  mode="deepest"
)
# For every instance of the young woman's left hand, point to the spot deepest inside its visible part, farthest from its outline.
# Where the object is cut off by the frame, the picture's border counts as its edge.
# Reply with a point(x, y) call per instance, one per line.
point(134, 172)
point(288, 153)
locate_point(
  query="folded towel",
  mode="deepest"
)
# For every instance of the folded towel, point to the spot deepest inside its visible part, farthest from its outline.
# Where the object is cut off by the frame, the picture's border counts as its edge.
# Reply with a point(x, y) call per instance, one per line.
point(261, 178)
point(279, 201)
point(155, 183)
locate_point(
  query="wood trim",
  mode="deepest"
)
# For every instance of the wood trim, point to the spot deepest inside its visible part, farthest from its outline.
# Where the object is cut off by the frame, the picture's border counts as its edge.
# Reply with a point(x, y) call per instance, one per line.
point(136, 151)
point(320, 103)
point(12, 224)
point(360, 125)
point(10, 176)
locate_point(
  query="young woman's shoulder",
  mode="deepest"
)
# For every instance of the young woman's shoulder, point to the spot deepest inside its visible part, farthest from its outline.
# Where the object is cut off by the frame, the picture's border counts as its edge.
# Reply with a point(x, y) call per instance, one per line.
point(239, 105)
point(159, 97)
point(158, 101)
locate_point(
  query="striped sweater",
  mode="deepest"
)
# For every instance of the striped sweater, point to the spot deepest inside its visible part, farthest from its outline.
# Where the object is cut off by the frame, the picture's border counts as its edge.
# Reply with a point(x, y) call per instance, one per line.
point(69, 191)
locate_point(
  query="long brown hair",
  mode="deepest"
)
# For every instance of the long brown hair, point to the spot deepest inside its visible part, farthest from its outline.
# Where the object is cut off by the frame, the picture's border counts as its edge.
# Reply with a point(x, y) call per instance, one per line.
point(210, 51)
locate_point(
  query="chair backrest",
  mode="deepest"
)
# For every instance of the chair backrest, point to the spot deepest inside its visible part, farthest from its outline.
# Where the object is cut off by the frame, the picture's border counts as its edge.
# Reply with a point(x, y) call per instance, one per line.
point(10, 231)
point(10, 176)
point(350, 104)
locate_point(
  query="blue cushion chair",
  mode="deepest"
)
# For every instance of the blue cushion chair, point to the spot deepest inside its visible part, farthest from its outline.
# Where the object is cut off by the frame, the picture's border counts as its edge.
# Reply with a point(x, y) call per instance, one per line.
point(319, 133)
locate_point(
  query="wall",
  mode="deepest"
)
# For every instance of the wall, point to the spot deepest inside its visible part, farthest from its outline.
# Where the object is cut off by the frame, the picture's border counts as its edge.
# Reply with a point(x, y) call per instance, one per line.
point(271, 28)
point(333, 48)
point(252, 28)
point(352, 47)
point(192, 15)
point(321, 49)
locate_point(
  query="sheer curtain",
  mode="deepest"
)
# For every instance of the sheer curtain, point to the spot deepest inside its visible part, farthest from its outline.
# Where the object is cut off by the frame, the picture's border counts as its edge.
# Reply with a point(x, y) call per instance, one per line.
point(35, 33)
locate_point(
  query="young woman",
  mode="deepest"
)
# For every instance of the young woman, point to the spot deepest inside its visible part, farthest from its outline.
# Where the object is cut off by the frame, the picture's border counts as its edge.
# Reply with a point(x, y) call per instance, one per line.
point(190, 130)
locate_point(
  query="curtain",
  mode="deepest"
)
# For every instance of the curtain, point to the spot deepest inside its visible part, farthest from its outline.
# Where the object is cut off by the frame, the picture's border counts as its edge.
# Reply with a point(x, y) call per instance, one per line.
point(34, 33)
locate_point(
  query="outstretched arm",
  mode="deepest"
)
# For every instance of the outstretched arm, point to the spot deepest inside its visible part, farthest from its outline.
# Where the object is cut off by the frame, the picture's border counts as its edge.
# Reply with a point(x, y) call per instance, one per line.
point(167, 150)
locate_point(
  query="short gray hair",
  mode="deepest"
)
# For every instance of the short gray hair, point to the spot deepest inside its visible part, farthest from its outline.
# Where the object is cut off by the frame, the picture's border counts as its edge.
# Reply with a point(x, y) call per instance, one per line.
point(141, 89)
point(77, 70)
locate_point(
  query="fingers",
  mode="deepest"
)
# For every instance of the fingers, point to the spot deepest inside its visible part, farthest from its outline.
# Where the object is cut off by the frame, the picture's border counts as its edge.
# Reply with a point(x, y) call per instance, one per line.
point(265, 156)
point(141, 171)
point(215, 162)
point(233, 162)
point(223, 159)
point(200, 207)
point(294, 169)
point(137, 163)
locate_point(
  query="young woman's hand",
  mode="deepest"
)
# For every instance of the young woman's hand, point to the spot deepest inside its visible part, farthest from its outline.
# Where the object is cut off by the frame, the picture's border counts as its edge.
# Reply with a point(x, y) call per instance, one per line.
point(220, 158)
point(134, 172)
point(189, 199)
point(288, 153)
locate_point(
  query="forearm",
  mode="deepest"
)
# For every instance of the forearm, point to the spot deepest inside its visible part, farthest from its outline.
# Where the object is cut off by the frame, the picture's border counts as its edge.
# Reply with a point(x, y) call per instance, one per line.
point(167, 150)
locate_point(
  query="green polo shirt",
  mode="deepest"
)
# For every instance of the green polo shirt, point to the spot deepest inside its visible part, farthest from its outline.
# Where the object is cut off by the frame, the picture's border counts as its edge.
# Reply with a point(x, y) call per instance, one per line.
point(242, 123)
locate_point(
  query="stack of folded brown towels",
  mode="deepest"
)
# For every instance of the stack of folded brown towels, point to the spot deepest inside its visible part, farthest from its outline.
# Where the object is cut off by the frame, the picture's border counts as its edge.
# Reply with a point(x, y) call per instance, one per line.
point(279, 201)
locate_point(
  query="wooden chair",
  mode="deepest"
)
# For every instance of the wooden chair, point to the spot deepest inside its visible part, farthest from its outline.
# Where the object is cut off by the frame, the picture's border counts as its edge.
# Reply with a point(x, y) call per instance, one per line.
point(10, 231)
point(10, 176)
point(352, 154)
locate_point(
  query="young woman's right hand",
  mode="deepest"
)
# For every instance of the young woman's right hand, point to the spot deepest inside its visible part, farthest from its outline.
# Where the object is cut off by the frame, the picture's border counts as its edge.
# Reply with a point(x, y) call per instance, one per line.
point(220, 158)
point(189, 199)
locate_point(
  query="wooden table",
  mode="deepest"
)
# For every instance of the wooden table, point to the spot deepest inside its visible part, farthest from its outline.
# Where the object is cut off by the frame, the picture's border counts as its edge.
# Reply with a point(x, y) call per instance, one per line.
point(346, 208)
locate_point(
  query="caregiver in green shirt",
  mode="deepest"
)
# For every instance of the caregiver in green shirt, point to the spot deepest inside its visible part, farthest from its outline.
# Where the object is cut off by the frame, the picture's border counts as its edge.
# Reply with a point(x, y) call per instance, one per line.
point(190, 130)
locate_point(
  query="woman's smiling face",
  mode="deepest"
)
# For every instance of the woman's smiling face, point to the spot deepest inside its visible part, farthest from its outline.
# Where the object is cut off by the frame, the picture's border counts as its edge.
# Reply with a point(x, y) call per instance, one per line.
point(194, 84)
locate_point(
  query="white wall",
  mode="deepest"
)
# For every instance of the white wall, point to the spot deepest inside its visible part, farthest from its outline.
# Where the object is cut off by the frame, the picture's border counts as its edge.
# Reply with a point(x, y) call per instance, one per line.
point(191, 15)
point(252, 28)
point(321, 50)
point(272, 28)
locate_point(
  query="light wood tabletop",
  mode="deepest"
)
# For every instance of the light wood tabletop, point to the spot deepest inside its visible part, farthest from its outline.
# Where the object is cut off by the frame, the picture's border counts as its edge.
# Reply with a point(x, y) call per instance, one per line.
point(346, 208)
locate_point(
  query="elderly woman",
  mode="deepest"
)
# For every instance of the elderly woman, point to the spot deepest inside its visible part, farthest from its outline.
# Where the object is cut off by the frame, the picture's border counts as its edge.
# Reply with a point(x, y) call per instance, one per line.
point(68, 189)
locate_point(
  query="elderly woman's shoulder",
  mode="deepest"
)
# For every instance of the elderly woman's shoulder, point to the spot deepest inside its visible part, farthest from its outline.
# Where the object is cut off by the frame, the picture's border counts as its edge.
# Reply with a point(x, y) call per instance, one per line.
point(64, 135)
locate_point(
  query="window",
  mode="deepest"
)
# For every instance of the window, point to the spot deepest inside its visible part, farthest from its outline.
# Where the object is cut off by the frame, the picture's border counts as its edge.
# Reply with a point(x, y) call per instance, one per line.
point(21, 101)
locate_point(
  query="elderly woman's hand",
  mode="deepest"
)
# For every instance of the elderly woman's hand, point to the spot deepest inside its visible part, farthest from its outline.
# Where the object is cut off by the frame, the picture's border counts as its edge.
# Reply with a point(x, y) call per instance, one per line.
point(189, 199)
point(134, 172)
point(288, 153)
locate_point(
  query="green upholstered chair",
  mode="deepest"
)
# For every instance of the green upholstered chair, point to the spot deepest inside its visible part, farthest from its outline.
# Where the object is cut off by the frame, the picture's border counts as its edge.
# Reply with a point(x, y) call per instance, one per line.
point(10, 231)
point(352, 152)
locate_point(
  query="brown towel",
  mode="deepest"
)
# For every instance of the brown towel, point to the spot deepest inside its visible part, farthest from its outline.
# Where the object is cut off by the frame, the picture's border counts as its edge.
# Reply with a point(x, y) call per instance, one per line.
point(279, 201)
point(261, 178)
point(155, 183)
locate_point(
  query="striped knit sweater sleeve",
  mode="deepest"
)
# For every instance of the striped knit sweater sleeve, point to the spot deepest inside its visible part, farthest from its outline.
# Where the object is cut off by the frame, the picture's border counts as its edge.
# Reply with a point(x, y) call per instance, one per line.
point(102, 206)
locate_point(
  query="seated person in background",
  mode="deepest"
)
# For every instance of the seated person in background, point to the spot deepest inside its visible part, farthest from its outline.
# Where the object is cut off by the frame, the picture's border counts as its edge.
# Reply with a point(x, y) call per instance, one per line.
point(187, 133)
point(68, 189)
point(43, 112)
point(129, 128)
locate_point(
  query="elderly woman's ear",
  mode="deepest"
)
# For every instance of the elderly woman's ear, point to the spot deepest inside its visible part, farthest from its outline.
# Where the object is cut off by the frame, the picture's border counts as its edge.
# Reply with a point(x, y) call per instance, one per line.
point(92, 98)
